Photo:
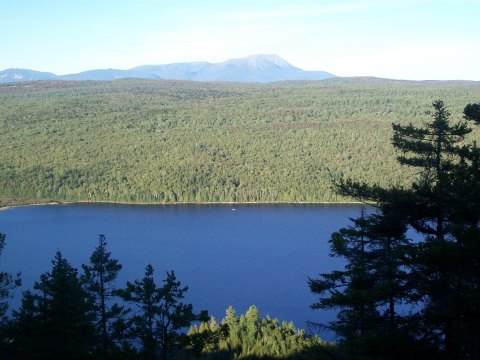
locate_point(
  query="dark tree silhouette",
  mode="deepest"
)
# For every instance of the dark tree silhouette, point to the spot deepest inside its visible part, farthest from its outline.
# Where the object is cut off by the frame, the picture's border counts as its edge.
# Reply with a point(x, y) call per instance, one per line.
point(472, 112)
point(371, 285)
point(8, 283)
point(55, 322)
point(443, 207)
point(98, 279)
point(160, 313)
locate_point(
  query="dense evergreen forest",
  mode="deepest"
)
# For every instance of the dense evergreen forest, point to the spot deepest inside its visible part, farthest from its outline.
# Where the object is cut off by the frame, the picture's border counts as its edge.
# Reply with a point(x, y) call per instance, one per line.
point(172, 141)
point(398, 296)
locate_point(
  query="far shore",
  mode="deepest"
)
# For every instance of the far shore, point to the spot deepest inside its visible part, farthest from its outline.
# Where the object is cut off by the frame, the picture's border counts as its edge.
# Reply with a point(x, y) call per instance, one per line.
point(23, 203)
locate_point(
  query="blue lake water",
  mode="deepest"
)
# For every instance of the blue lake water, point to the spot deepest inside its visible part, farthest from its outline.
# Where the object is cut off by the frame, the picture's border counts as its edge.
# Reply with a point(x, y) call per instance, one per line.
point(255, 254)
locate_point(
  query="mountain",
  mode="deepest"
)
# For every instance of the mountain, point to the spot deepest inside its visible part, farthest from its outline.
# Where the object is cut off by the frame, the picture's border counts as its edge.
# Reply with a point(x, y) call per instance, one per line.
point(255, 68)
point(106, 74)
point(10, 75)
point(178, 71)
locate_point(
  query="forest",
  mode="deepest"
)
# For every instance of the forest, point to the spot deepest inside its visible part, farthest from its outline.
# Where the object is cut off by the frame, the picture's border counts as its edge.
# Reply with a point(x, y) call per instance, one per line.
point(143, 141)
point(435, 275)
point(432, 191)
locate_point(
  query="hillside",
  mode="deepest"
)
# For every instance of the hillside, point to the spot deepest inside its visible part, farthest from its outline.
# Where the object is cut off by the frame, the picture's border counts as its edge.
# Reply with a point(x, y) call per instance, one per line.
point(180, 141)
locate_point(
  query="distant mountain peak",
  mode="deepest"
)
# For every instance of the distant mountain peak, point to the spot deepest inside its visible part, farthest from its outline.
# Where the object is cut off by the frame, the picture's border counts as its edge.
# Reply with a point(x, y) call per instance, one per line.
point(262, 68)
point(261, 61)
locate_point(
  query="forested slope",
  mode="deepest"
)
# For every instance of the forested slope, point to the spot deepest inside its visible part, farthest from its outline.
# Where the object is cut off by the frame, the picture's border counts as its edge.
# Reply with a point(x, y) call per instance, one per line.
point(171, 141)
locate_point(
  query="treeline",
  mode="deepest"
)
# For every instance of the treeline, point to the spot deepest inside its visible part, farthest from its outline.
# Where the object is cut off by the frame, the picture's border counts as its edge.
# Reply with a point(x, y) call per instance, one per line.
point(250, 336)
point(413, 298)
point(170, 141)
point(72, 315)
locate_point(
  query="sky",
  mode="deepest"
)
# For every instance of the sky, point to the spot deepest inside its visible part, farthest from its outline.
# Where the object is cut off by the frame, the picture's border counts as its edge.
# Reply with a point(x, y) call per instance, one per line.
point(399, 39)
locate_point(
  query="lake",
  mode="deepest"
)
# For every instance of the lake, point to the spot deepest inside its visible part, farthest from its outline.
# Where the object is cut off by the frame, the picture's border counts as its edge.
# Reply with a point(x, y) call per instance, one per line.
point(235, 255)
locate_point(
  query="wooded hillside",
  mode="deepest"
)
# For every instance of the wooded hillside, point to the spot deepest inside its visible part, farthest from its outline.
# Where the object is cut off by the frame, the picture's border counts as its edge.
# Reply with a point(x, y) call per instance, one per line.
point(171, 141)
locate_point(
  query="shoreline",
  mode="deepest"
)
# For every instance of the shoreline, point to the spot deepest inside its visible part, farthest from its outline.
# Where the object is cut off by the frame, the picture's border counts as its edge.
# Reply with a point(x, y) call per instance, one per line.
point(59, 202)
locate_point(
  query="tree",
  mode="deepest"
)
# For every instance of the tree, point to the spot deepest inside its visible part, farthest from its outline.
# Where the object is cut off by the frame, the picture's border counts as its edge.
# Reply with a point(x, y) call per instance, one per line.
point(56, 321)
point(443, 206)
point(250, 324)
point(8, 283)
point(27, 331)
point(252, 337)
point(434, 149)
point(98, 279)
point(232, 324)
point(174, 314)
point(161, 313)
point(146, 296)
point(371, 285)
point(351, 289)
point(472, 112)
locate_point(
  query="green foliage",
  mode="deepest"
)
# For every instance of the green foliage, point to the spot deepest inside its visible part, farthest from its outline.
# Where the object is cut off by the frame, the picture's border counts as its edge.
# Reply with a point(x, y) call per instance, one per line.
point(472, 112)
point(438, 273)
point(98, 280)
point(161, 315)
point(250, 336)
point(55, 322)
point(144, 325)
point(370, 288)
point(167, 141)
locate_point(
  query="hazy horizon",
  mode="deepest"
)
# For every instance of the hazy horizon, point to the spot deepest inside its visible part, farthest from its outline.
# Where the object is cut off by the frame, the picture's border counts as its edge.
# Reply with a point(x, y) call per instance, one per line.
point(411, 40)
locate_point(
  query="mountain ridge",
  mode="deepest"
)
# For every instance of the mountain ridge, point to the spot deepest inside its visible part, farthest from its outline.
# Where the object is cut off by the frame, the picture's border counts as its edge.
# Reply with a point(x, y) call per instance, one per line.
point(261, 68)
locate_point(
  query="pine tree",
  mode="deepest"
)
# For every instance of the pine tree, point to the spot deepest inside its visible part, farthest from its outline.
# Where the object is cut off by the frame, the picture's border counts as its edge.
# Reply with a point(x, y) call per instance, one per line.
point(249, 336)
point(232, 325)
point(8, 283)
point(162, 314)
point(98, 279)
point(147, 297)
point(443, 206)
point(436, 150)
point(27, 332)
point(55, 322)
point(472, 112)
point(174, 314)
point(251, 328)
point(355, 289)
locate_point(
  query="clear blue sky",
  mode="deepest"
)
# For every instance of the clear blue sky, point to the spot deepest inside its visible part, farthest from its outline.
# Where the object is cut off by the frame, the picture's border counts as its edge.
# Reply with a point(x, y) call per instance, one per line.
point(402, 39)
